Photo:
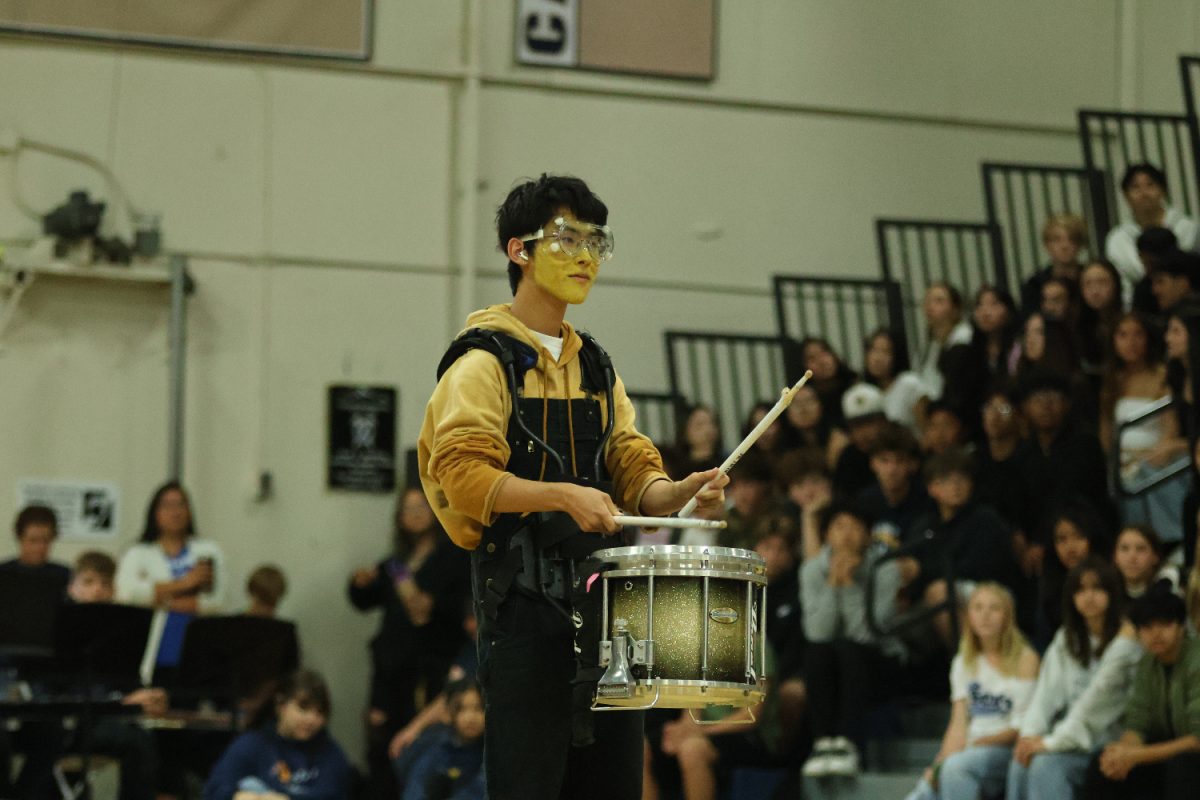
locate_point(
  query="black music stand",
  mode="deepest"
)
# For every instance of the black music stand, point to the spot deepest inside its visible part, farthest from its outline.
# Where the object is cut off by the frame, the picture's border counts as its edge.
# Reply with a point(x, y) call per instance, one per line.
point(104, 642)
point(227, 659)
point(29, 605)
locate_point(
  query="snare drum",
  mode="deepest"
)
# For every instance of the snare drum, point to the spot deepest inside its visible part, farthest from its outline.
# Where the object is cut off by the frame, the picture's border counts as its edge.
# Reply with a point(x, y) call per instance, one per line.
point(684, 627)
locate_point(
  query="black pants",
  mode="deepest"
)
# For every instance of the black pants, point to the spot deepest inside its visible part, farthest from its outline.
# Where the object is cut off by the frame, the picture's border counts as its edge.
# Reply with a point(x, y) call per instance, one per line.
point(1177, 778)
point(135, 749)
point(843, 678)
point(526, 665)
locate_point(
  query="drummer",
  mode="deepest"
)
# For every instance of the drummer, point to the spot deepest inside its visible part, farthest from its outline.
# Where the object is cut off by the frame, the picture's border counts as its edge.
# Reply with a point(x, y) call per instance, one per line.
point(487, 475)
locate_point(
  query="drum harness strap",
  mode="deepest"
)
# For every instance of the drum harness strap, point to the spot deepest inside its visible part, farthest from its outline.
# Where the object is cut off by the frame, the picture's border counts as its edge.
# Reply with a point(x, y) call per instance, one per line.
point(545, 555)
point(542, 549)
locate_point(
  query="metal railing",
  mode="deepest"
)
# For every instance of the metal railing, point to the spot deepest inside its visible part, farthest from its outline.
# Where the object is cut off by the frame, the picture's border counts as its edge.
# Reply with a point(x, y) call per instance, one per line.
point(1019, 198)
point(920, 614)
point(1142, 481)
point(659, 414)
point(729, 372)
point(916, 253)
point(1112, 140)
point(839, 310)
point(1189, 69)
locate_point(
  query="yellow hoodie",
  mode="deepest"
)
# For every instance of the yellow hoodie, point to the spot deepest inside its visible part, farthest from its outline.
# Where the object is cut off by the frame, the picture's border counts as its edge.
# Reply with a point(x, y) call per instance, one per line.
point(462, 450)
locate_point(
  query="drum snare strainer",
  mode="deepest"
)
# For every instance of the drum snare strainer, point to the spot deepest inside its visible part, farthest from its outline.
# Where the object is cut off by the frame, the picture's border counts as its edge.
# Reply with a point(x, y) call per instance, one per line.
point(685, 627)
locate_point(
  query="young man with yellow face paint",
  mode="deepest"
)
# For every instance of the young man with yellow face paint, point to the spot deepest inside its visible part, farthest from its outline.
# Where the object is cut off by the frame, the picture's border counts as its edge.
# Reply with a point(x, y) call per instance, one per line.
point(527, 450)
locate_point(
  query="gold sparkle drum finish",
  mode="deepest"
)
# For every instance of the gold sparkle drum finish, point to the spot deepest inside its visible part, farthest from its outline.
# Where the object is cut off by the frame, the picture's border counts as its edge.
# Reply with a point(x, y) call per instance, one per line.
point(685, 627)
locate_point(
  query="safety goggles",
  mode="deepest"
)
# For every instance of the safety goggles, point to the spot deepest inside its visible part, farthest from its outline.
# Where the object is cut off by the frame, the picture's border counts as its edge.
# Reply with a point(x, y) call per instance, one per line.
point(570, 238)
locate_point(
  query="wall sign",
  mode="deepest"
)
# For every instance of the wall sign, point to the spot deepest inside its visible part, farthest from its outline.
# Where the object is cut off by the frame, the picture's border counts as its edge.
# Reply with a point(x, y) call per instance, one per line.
point(85, 509)
point(362, 438)
point(666, 38)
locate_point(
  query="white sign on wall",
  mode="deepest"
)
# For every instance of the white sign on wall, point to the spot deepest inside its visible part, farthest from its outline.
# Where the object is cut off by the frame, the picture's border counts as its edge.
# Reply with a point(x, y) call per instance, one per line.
point(85, 509)
point(548, 32)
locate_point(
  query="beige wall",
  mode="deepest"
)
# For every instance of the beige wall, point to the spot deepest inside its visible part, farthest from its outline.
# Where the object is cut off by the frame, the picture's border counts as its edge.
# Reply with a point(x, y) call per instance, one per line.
point(321, 208)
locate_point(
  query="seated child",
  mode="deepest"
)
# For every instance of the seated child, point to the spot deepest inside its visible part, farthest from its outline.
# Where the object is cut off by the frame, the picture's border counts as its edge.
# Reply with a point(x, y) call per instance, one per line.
point(446, 763)
point(266, 586)
point(292, 754)
point(991, 680)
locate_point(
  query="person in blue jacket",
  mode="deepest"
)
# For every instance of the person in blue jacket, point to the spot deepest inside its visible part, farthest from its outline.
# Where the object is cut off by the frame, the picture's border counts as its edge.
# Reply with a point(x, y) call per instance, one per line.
point(446, 762)
point(291, 757)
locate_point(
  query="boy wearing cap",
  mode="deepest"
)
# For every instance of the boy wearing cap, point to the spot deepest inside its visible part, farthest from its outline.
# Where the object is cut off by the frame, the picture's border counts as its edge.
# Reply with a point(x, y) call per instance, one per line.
point(862, 408)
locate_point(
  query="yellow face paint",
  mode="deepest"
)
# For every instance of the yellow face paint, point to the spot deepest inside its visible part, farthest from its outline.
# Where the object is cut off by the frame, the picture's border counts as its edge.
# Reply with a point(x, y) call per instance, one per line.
point(567, 278)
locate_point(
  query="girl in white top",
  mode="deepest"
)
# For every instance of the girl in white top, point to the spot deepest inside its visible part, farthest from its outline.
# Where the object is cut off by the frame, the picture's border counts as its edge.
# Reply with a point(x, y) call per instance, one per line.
point(943, 306)
point(885, 364)
point(1085, 680)
point(991, 682)
point(172, 569)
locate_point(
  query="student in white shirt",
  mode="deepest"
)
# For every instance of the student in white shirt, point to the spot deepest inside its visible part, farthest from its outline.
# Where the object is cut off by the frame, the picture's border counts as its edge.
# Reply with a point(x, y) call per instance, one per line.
point(1085, 680)
point(991, 682)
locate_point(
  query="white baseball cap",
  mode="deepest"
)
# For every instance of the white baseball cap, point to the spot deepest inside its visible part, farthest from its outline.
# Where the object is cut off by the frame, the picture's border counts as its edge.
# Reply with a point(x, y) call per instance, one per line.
point(862, 400)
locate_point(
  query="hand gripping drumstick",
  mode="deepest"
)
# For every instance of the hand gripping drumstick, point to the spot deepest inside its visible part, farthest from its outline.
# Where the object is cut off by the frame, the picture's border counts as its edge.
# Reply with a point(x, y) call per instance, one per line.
point(785, 400)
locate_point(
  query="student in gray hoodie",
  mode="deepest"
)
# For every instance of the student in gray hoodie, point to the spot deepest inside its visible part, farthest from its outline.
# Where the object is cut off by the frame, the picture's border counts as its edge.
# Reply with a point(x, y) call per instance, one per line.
point(1085, 680)
point(844, 660)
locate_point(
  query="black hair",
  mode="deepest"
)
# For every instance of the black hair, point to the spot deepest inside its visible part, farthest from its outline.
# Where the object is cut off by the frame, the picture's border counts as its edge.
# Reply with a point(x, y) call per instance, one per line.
point(900, 360)
point(1155, 241)
point(752, 467)
point(1143, 168)
point(1180, 265)
point(455, 691)
point(305, 686)
point(838, 509)
point(1075, 628)
point(533, 203)
point(1158, 604)
point(1149, 534)
point(795, 466)
point(896, 438)
point(35, 515)
point(954, 461)
point(1041, 380)
point(150, 531)
point(1187, 311)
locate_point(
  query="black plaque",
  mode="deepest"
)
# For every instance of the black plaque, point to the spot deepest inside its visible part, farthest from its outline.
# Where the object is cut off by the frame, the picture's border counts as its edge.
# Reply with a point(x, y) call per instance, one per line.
point(362, 438)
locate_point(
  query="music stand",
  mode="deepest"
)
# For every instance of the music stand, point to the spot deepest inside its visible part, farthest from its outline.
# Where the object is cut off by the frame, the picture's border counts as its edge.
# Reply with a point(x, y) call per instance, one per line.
point(103, 641)
point(29, 605)
point(226, 659)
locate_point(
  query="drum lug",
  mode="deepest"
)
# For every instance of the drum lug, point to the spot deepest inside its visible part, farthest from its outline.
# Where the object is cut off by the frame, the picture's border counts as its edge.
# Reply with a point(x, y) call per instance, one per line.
point(643, 652)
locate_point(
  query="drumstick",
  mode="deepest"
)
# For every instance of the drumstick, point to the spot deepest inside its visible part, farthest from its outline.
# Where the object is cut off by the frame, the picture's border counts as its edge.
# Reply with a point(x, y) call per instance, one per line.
point(668, 522)
point(785, 400)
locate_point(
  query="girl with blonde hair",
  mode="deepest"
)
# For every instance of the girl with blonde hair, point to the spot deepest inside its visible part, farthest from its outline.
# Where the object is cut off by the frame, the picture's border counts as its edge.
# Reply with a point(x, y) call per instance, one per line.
point(991, 682)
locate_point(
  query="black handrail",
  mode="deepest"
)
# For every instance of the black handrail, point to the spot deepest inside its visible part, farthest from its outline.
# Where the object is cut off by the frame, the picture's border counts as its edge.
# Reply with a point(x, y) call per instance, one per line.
point(1112, 140)
point(916, 617)
point(918, 252)
point(840, 310)
point(1019, 198)
point(730, 372)
point(1114, 454)
point(1189, 68)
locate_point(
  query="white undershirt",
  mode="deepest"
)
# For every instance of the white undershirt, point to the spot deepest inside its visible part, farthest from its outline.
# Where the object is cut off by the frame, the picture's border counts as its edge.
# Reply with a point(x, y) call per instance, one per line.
point(552, 343)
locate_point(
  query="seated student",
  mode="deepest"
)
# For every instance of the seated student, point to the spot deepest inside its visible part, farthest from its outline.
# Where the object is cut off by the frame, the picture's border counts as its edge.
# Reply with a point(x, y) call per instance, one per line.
point(885, 364)
point(172, 568)
point(1153, 244)
point(965, 539)
point(809, 490)
point(1138, 556)
point(809, 424)
point(1076, 532)
point(1145, 189)
point(1158, 755)
point(446, 763)
point(1084, 682)
point(36, 528)
point(944, 429)
point(1063, 461)
point(1100, 292)
point(1058, 301)
point(991, 683)
point(844, 658)
point(896, 499)
point(999, 468)
point(752, 505)
point(265, 587)
point(698, 441)
point(1174, 277)
point(830, 376)
point(945, 328)
point(133, 746)
point(785, 632)
point(289, 755)
point(1064, 236)
point(862, 408)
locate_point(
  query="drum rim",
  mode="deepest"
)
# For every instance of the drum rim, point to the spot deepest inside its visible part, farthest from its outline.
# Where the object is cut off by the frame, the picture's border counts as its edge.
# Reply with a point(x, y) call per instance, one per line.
point(678, 551)
point(715, 572)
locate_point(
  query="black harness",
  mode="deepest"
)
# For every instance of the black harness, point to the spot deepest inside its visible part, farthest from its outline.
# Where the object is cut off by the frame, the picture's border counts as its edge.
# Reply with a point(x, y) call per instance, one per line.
point(545, 555)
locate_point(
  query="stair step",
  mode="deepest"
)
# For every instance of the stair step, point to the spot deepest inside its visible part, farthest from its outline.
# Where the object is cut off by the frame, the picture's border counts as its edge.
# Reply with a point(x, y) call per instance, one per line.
point(905, 753)
point(867, 786)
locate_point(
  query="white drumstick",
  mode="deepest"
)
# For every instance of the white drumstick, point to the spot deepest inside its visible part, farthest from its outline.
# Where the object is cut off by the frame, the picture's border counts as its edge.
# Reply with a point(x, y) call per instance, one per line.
point(785, 400)
point(668, 522)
